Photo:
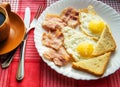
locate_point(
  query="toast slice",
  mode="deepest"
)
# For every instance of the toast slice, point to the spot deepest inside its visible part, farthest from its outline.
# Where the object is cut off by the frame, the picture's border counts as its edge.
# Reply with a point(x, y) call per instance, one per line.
point(105, 44)
point(95, 66)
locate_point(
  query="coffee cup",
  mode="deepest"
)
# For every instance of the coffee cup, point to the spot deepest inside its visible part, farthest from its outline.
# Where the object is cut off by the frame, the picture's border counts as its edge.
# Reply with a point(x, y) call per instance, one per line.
point(4, 24)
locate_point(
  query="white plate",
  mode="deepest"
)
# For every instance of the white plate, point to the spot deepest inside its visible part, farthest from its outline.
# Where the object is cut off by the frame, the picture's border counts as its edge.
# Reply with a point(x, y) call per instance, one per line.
point(106, 12)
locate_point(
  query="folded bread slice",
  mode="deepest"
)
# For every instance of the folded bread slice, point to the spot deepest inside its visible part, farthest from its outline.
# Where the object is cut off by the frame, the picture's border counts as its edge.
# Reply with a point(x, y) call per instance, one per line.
point(95, 66)
point(106, 43)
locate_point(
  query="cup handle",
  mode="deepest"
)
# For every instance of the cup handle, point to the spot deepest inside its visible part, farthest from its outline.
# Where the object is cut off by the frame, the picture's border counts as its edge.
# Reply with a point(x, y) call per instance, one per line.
point(7, 6)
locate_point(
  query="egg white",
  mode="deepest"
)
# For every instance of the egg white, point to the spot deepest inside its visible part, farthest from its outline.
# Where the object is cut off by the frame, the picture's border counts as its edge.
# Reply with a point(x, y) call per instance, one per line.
point(72, 39)
point(85, 19)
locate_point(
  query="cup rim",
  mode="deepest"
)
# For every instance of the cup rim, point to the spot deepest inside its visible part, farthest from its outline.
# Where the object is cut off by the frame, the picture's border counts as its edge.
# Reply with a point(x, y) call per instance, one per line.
point(5, 14)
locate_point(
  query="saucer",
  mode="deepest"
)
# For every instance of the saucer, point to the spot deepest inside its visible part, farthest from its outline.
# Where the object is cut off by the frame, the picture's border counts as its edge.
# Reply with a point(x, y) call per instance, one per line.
point(17, 32)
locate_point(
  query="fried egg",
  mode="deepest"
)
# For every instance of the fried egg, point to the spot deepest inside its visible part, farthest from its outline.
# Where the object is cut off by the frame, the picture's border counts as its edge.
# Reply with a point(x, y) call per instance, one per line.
point(79, 45)
point(91, 23)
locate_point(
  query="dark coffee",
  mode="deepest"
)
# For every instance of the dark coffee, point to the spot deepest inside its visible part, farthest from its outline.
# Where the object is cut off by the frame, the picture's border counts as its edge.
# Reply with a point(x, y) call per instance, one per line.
point(2, 18)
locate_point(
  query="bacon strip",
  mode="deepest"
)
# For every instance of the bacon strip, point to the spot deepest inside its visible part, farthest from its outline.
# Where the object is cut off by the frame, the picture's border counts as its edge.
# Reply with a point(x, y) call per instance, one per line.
point(59, 57)
point(53, 22)
point(53, 39)
point(70, 16)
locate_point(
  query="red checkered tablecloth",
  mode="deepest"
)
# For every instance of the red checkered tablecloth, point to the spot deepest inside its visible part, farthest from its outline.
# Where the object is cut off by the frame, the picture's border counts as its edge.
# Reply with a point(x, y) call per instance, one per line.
point(37, 73)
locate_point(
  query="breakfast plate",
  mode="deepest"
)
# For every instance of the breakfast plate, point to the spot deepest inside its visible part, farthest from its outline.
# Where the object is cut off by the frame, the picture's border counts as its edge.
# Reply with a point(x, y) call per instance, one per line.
point(17, 32)
point(109, 15)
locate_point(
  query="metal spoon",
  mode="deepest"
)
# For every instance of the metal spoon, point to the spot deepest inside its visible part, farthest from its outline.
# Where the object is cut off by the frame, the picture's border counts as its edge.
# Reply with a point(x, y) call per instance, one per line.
point(9, 59)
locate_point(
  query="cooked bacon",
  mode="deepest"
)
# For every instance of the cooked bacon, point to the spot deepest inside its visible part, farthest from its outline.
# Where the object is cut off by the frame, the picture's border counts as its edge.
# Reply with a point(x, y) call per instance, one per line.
point(53, 22)
point(53, 39)
point(70, 16)
point(59, 57)
point(50, 54)
point(64, 53)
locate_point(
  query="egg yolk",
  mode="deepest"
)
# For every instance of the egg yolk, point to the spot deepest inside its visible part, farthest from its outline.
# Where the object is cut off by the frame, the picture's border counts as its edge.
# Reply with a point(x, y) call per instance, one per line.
point(85, 49)
point(96, 26)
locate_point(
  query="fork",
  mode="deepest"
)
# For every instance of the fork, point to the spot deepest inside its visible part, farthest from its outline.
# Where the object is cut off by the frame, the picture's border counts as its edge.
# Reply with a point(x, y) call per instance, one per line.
point(20, 73)
point(34, 21)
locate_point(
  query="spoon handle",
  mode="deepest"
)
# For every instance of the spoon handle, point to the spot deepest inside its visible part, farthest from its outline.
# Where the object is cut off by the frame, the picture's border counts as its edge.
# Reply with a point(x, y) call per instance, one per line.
point(20, 71)
point(9, 59)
